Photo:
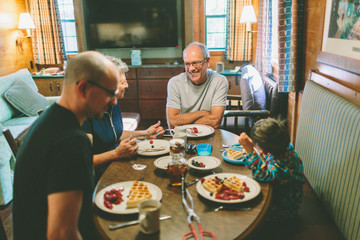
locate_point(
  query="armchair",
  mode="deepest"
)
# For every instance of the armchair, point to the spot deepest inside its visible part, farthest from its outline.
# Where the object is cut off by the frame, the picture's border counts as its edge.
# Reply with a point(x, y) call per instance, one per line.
point(258, 99)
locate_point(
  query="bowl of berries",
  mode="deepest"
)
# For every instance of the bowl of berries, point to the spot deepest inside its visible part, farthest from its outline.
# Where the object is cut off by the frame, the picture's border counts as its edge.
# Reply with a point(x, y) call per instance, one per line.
point(204, 163)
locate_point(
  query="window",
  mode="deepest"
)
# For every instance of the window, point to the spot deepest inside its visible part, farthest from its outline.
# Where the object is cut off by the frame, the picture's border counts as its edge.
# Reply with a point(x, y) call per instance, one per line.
point(66, 8)
point(215, 24)
point(275, 37)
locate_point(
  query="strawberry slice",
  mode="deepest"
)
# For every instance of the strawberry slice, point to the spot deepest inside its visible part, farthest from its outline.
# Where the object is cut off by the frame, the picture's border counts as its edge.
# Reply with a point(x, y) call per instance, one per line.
point(108, 204)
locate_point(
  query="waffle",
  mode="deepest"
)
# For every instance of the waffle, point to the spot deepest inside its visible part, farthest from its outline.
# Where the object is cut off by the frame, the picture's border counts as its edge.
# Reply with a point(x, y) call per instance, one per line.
point(212, 185)
point(233, 154)
point(234, 183)
point(139, 191)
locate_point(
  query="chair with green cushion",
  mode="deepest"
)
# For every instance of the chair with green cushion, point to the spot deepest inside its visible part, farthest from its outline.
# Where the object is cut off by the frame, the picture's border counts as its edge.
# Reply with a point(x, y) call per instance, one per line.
point(19, 106)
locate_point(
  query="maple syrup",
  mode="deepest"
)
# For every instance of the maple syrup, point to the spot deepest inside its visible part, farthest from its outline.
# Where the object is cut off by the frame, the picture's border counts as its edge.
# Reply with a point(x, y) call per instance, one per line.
point(177, 165)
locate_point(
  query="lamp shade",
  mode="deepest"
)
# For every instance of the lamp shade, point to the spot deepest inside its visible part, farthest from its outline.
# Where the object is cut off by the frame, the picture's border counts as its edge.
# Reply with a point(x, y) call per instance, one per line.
point(248, 15)
point(25, 21)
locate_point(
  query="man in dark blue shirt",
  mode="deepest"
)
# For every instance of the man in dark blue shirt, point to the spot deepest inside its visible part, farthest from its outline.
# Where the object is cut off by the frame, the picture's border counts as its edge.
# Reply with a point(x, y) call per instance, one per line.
point(110, 142)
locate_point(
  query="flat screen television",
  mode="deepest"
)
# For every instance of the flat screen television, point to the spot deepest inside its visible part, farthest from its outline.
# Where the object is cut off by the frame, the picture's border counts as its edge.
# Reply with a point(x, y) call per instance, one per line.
point(119, 25)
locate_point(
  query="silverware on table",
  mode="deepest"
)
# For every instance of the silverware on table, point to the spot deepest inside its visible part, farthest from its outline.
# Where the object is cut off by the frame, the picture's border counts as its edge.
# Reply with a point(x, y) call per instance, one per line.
point(120, 225)
point(215, 209)
point(152, 149)
point(191, 131)
point(192, 134)
point(193, 182)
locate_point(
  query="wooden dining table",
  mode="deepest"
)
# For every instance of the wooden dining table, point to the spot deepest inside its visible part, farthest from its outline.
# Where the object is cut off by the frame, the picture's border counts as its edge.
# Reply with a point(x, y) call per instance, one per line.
point(234, 221)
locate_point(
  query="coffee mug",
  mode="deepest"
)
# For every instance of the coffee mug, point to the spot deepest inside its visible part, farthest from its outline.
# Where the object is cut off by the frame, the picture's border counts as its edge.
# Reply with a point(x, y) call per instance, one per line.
point(177, 129)
point(149, 214)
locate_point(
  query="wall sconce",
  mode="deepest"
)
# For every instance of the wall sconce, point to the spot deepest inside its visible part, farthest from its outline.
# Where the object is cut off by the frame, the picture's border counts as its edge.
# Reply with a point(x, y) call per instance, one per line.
point(247, 16)
point(25, 22)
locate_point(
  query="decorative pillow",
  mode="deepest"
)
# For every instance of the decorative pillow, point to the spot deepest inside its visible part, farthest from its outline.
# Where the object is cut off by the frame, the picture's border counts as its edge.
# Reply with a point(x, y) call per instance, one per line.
point(253, 94)
point(22, 97)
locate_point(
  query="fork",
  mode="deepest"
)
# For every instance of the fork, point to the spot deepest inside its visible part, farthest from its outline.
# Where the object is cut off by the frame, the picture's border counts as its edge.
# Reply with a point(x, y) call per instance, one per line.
point(191, 131)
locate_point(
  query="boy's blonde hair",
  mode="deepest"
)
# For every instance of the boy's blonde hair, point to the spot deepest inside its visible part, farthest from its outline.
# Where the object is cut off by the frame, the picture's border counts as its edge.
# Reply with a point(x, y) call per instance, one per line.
point(271, 135)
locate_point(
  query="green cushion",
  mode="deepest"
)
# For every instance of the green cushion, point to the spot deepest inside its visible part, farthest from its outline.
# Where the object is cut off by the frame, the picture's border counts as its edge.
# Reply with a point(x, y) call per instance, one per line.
point(25, 99)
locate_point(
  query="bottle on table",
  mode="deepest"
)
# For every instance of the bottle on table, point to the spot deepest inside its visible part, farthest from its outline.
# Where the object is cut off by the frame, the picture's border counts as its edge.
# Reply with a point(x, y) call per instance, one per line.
point(177, 164)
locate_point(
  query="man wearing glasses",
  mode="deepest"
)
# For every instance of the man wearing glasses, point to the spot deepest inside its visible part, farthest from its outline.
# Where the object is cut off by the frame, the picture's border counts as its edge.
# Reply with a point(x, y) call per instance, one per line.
point(198, 95)
point(54, 175)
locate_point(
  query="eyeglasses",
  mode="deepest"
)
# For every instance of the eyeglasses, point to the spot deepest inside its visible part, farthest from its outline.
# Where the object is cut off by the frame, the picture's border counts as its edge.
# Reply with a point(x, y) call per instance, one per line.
point(112, 93)
point(194, 64)
point(124, 83)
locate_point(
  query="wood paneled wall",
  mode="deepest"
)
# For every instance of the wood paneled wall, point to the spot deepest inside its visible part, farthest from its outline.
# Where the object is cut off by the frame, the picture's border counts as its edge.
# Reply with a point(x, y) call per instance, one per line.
point(315, 14)
point(13, 56)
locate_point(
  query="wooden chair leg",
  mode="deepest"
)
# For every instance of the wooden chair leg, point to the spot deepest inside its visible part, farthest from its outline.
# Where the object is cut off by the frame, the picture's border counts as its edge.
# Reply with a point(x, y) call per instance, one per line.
point(11, 141)
point(2, 231)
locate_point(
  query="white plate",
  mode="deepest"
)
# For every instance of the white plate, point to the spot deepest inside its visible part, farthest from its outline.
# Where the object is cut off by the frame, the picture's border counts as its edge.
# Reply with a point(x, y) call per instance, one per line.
point(253, 185)
point(209, 161)
point(121, 208)
point(156, 143)
point(203, 130)
point(162, 162)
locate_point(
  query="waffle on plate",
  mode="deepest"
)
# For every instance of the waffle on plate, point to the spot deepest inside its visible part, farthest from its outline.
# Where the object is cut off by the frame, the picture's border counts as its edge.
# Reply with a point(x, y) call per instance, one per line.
point(234, 154)
point(139, 191)
point(213, 185)
point(234, 183)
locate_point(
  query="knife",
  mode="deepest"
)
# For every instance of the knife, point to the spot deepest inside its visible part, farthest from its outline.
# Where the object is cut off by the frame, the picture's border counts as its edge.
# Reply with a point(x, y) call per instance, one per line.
point(152, 149)
point(120, 225)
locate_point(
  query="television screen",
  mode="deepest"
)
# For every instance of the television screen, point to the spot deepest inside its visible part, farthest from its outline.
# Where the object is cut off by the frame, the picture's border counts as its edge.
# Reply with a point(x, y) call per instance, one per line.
point(131, 24)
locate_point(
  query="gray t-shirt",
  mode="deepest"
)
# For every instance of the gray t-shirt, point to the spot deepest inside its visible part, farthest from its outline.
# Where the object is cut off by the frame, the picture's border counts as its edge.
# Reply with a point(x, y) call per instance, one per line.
point(187, 97)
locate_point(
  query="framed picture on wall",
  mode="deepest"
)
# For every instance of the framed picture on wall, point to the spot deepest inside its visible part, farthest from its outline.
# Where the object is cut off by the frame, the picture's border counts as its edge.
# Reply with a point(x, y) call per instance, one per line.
point(341, 34)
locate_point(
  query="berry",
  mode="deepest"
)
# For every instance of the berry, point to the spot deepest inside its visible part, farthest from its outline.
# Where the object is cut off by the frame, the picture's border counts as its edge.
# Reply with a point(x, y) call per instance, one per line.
point(151, 141)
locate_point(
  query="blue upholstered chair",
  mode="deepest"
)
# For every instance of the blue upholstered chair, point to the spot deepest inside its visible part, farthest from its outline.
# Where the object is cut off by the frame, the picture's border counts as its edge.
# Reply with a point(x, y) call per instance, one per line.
point(257, 100)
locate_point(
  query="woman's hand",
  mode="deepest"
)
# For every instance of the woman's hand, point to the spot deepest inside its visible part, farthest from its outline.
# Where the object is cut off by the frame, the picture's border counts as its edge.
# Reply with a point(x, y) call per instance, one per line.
point(246, 142)
point(127, 148)
point(155, 130)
